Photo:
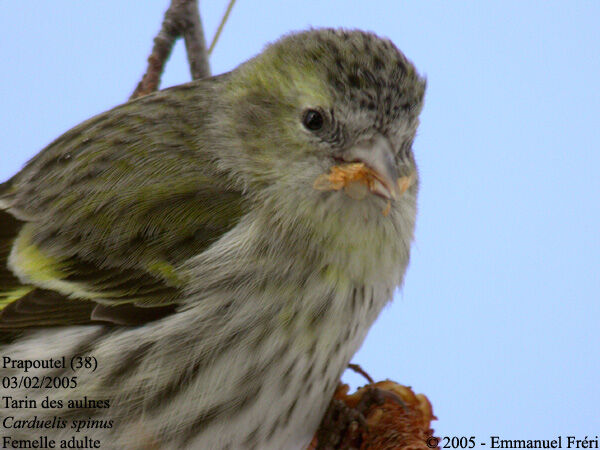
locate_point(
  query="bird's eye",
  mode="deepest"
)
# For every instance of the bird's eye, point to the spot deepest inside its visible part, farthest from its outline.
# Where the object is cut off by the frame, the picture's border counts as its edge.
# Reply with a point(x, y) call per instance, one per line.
point(313, 120)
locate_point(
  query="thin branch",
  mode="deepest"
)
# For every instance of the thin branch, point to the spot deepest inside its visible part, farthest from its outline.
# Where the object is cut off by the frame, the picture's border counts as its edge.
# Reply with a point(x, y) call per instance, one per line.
point(221, 25)
point(195, 44)
point(181, 19)
point(356, 368)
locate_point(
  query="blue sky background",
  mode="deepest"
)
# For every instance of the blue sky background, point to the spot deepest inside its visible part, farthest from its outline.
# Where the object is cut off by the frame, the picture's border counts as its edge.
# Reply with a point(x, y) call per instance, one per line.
point(498, 323)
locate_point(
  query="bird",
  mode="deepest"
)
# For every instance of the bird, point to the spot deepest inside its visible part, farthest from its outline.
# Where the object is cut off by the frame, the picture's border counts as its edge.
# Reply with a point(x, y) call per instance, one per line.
point(184, 270)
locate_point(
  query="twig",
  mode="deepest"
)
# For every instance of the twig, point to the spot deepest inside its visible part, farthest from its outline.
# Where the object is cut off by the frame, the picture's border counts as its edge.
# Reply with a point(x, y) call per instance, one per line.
point(221, 25)
point(356, 368)
point(195, 44)
point(181, 19)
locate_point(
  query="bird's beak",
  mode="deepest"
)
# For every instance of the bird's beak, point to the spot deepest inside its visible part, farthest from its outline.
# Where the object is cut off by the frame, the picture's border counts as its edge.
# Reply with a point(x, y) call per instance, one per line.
point(378, 155)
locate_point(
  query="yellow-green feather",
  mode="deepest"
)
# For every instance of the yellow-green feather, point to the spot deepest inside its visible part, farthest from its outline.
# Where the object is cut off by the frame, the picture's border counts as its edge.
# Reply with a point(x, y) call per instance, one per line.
point(10, 296)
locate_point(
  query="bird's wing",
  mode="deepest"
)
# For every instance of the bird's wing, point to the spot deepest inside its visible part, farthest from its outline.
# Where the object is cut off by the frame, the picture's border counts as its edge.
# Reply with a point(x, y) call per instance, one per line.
point(95, 230)
point(48, 278)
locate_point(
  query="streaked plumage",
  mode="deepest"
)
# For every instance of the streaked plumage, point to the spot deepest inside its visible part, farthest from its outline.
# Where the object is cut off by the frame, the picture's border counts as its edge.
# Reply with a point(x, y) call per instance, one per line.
point(221, 294)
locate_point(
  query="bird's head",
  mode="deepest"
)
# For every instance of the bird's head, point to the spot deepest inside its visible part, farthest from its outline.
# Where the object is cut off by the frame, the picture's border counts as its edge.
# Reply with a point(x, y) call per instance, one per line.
point(322, 100)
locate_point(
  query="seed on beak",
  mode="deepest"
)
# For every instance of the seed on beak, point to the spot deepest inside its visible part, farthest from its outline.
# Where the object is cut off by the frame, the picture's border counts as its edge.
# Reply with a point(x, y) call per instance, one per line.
point(405, 182)
point(357, 179)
